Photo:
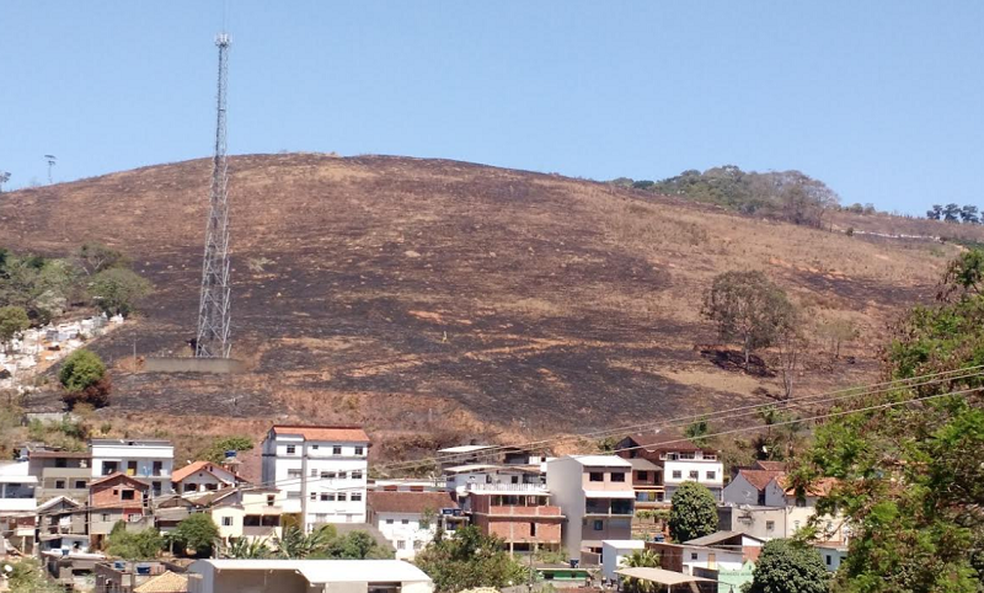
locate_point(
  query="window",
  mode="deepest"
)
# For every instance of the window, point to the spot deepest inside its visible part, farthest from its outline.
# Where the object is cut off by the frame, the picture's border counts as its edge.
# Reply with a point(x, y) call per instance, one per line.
point(59, 484)
point(314, 447)
point(251, 521)
point(227, 521)
point(596, 477)
point(642, 476)
point(61, 462)
point(532, 529)
point(321, 518)
point(514, 480)
point(796, 525)
point(328, 497)
point(829, 560)
point(618, 476)
point(694, 474)
point(336, 450)
point(127, 495)
point(328, 475)
point(158, 468)
point(80, 484)
point(712, 475)
point(389, 521)
point(405, 521)
point(710, 456)
point(687, 455)
point(599, 525)
point(314, 496)
point(770, 525)
point(677, 474)
point(359, 451)
point(131, 468)
point(357, 474)
point(270, 499)
point(314, 472)
point(401, 544)
point(693, 555)
point(341, 475)
point(105, 517)
point(356, 496)
point(341, 497)
point(291, 449)
point(293, 473)
point(294, 494)
point(324, 496)
point(800, 501)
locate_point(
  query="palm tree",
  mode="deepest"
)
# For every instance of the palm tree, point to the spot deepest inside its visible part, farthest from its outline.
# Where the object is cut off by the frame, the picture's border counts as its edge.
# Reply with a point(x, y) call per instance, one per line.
point(247, 549)
point(294, 544)
point(640, 559)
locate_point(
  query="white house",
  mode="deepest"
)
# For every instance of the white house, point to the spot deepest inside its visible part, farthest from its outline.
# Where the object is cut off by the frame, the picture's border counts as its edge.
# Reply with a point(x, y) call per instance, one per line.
point(18, 504)
point(306, 576)
point(613, 553)
point(832, 554)
point(323, 470)
point(679, 459)
point(150, 460)
point(595, 494)
point(408, 519)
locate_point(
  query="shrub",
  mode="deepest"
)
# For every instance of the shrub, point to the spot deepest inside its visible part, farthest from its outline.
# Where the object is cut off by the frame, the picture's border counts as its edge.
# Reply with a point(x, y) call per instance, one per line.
point(83, 376)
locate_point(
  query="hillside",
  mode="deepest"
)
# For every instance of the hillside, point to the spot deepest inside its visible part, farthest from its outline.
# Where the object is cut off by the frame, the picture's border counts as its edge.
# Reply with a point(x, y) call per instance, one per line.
point(439, 297)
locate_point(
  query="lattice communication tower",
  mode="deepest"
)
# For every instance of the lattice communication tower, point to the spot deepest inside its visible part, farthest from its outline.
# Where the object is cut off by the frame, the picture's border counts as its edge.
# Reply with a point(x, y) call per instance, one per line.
point(213, 312)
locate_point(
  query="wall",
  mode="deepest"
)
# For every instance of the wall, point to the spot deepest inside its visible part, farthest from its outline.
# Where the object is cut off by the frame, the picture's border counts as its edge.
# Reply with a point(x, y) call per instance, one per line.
point(193, 365)
point(564, 479)
point(612, 554)
point(740, 491)
point(412, 536)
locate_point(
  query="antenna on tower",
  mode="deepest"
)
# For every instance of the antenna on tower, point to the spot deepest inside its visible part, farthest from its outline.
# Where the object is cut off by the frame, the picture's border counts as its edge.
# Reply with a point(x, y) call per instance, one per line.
point(212, 340)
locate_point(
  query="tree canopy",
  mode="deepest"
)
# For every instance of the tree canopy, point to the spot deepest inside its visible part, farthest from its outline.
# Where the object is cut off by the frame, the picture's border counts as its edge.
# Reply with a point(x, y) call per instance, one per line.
point(469, 559)
point(198, 532)
point(911, 460)
point(748, 308)
point(84, 379)
point(117, 290)
point(142, 545)
point(13, 322)
point(693, 512)
point(787, 566)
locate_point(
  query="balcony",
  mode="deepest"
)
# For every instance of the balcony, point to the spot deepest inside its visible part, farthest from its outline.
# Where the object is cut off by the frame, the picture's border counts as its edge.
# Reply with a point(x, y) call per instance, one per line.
point(609, 507)
point(545, 511)
point(506, 488)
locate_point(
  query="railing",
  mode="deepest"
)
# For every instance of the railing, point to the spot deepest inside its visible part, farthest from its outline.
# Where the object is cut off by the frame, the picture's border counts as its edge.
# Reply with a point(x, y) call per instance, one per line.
point(538, 511)
point(617, 507)
point(507, 487)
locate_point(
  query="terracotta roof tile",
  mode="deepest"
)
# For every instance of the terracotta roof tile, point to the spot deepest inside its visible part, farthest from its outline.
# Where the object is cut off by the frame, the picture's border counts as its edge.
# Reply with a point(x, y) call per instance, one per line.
point(167, 582)
point(195, 466)
point(760, 478)
point(117, 475)
point(410, 502)
point(340, 434)
point(773, 466)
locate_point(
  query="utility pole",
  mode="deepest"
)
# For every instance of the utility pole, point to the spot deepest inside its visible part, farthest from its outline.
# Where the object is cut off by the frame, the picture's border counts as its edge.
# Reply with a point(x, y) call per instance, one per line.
point(212, 340)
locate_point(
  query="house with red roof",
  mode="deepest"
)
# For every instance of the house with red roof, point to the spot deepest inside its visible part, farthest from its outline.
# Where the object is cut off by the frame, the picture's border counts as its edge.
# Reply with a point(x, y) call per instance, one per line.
point(116, 497)
point(201, 477)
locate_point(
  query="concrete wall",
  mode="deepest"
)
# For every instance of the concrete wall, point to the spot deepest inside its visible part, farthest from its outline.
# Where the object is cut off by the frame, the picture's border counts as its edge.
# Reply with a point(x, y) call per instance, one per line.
point(193, 365)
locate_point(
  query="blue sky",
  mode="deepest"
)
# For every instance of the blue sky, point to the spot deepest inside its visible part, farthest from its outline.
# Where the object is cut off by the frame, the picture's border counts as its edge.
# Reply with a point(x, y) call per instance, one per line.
point(881, 100)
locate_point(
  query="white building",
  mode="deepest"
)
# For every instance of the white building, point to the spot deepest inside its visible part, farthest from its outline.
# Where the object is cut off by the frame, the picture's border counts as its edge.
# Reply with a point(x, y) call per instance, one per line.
point(408, 520)
point(323, 470)
point(306, 576)
point(613, 553)
point(595, 494)
point(832, 554)
point(18, 504)
point(677, 460)
point(150, 460)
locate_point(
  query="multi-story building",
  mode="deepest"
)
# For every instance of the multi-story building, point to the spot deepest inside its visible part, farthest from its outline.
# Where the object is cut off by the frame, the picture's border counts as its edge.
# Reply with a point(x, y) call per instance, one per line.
point(323, 470)
point(678, 460)
point(117, 497)
point(18, 504)
point(253, 513)
point(521, 515)
point(61, 473)
point(595, 494)
point(148, 459)
point(409, 520)
point(201, 477)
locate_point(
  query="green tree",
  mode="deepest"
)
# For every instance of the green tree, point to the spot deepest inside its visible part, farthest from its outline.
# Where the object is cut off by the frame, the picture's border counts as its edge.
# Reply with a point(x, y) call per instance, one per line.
point(787, 566)
point(247, 549)
point(28, 576)
point(216, 451)
point(84, 379)
point(93, 258)
point(951, 213)
point(693, 512)
point(294, 544)
point(469, 559)
point(357, 545)
point(13, 322)
point(117, 290)
point(198, 532)
point(935, 213)
point(696, 430)
point(640, 559)
point(142, 545)
point(748, 308)
point(910, 461)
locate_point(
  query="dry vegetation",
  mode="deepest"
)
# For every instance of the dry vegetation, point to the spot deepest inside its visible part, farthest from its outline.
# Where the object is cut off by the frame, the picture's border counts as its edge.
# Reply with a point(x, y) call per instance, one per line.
point(444, 298)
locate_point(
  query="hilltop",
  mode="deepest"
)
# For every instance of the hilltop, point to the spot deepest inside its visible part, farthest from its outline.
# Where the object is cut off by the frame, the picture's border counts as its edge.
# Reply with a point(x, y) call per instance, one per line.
point(433, 300)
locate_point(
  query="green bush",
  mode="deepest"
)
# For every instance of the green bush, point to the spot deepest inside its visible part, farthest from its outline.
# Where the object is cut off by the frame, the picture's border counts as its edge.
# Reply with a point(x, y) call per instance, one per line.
point(83, 376)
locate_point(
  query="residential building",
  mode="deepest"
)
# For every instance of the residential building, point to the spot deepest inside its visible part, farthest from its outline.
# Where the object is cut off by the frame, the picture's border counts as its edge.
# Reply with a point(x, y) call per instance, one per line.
point(61, 515)
point(595, 494)
point(521, 515)
point(486, 454)
point(61, 473)
point(409, 520)
point(307, 576)
point(647, 481)
point(406, 485)
point(201, 477)
point(613, 553)
point(759, 521)
point(461, 478)
point(832, 554)
point(254, 513)
point(679, 458)
point(18, 504)
point(754, 486)
point(117, 497)
point(323, 470)
point(151, 460)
